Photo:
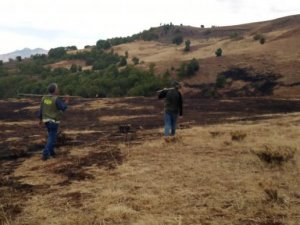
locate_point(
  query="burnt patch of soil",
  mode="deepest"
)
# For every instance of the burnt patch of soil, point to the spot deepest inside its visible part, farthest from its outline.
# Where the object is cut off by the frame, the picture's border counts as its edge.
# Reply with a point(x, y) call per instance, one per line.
point(13, 195)
point(72, 173)
point(13, 183)
point(255, 83)
point(74, 168)
point(199, 110)
point(14, 111)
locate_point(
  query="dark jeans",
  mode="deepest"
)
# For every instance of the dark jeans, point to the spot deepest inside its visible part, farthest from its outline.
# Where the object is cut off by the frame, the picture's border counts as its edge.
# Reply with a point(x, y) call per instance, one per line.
point(52, 129)
point(170, 123)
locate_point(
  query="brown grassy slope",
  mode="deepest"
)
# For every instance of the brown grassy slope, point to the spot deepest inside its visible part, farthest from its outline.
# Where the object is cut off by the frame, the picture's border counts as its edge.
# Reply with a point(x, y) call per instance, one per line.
point(204, 177)
point(280, 54)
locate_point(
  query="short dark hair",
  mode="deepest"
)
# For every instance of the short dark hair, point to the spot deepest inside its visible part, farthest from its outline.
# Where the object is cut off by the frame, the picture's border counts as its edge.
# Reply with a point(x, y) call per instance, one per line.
point(52, 87)
point(175, 84)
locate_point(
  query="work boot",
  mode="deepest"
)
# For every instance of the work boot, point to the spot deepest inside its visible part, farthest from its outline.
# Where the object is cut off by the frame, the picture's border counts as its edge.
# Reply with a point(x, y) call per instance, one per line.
point(44, 158)
point(167, 139)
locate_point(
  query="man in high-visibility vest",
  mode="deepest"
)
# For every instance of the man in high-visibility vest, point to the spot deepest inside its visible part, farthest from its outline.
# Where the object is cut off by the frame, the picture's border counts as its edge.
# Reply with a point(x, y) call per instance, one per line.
point(51, 111)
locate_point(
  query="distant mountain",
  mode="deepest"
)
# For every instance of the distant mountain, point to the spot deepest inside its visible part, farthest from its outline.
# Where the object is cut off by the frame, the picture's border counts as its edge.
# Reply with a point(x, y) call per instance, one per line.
point(24, 53)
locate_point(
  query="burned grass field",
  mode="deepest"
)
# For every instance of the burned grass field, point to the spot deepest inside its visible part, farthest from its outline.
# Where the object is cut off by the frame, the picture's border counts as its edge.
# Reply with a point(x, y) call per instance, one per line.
point(233, 162)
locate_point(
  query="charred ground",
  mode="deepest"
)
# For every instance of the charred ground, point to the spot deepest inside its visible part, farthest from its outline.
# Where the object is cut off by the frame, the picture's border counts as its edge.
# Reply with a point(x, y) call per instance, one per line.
point(91, 139)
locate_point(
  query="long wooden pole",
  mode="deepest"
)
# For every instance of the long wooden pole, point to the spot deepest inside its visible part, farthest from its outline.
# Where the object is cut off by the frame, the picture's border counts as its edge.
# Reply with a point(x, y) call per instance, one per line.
point(35, 95)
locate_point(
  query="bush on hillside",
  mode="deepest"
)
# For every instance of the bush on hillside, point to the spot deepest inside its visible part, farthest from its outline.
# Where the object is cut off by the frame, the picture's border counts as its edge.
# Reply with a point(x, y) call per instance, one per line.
point(149, 36)
point(123, 61)
point(188, 69)
point(178, 39)
point(187, 46)
point(135, 60)
point(71, 48)
point(220, 81)
point(234, 34)
point(168, 27)
point(256, 37)
point(103, 44)
point(262, 40)
point(120, 40)
point(57, 53)
point(219, 52)
point(32, 67)
point(18, 58)
point(73, 68)
point(192, 67)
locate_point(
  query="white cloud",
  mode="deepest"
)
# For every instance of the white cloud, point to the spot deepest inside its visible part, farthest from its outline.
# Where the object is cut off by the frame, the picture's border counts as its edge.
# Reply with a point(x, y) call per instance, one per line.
point(83, 22)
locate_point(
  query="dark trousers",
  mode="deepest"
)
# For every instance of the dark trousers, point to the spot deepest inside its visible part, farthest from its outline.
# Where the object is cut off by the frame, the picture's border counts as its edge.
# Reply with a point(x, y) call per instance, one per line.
point(170, 123)
point(52, 129)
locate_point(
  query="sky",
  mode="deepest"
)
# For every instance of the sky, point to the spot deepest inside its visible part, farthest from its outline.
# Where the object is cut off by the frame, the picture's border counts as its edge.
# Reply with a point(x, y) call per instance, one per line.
point(53, 23)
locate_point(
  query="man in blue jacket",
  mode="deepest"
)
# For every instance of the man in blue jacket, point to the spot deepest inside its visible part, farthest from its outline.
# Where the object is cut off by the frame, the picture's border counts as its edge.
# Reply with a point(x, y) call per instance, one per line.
point(50, 114)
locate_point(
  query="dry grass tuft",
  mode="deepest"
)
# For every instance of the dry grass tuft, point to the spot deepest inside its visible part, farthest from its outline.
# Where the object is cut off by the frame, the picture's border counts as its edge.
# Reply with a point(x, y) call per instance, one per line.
point(118, 213)
point(185, 125)
point(273, 196)
point(174, 139)
point(270, 222)
point(216, 133)
point(275, 154)
point(238, 135)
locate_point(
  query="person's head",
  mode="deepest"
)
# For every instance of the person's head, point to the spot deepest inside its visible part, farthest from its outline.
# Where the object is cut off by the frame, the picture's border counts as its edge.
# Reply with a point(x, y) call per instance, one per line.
point(176, 84)
point(53, 89)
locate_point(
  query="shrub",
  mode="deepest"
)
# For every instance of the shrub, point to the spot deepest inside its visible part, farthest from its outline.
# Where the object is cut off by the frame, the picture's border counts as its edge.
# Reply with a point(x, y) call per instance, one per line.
point(178, 39)
point(220, 81)
point(70, 48)
point(275, 154)
point(73, 68)
point(219, 52)
point(256, 37)
point(234, 35)
point(57, 53)
point(135, 60)
point(273, 196)
point(192, 67)
point(123, 61)
point(149, 36)
point(189, 69)
point(187, 45)
point(262, 40)
point(238, 136)
point(103, 44)
point(151, 68)
point(167, 27)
